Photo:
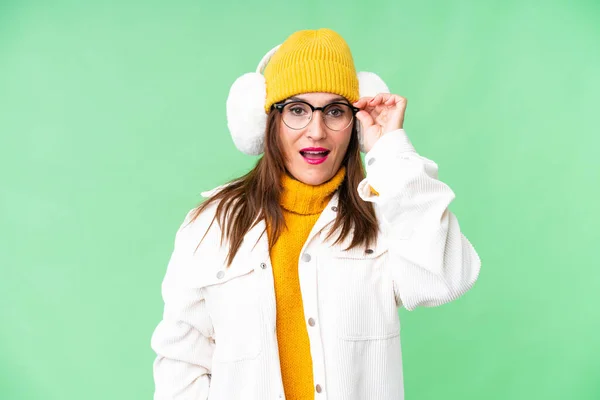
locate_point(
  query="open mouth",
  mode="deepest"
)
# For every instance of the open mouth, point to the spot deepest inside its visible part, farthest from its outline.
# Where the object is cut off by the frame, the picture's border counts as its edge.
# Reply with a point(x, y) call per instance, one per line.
point(314, 156)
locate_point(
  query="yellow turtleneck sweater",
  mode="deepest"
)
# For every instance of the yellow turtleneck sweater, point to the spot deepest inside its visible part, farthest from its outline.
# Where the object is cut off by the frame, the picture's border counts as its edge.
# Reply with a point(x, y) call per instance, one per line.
point(301, 204)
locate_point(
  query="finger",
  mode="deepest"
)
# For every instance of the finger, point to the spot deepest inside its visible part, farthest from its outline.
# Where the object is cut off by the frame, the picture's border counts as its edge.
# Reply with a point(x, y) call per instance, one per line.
point(398, 102)
point(380, 99)
point(376, 100)
point(365, 118)
point(362, 102)
point(393, 99)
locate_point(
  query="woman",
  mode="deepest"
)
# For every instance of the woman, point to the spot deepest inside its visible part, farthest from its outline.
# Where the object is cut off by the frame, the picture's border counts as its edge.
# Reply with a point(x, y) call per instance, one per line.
point(285, 282)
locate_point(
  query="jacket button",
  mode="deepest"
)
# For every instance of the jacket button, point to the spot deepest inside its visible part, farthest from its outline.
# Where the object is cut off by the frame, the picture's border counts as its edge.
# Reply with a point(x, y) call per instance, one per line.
point(311, 321)
point(334, 209)
point(369, 251)
point(263, 265)
point(220, 274)
point(371, 161)
point(306, 257)
point(318, 388)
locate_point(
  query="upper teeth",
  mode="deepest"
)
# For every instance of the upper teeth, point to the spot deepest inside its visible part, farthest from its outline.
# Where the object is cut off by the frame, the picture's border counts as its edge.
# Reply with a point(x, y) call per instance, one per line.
point(315, 152)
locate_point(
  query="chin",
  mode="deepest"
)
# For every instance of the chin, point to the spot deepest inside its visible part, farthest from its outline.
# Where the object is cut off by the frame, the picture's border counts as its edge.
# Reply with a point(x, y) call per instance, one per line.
point(315, 181)
point(311, 179)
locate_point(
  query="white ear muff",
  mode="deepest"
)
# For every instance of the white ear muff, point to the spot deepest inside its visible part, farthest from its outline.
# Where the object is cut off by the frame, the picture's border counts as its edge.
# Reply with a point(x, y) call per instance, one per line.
point(246, 116)
point(369, 85)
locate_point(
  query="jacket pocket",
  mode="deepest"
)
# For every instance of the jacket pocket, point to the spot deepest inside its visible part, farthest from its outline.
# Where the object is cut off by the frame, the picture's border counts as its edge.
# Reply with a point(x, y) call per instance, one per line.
point(366, 307)
point(232, 298)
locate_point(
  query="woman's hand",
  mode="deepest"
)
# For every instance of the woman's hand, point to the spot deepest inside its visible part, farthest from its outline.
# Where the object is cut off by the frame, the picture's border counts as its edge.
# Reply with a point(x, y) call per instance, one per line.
point(379, 115)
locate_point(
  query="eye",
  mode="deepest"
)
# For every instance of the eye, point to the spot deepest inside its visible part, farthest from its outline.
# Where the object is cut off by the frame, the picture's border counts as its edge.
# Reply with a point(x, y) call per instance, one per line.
point(297, 110)
point(336, 111)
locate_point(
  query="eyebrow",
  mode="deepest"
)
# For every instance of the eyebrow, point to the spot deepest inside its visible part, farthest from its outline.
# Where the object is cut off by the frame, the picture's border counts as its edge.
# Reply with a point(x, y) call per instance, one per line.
point(339, 98)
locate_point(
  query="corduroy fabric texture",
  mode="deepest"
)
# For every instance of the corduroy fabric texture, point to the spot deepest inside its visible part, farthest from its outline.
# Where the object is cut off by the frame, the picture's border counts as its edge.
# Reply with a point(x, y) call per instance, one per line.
point(311, 61)
point(301, 205)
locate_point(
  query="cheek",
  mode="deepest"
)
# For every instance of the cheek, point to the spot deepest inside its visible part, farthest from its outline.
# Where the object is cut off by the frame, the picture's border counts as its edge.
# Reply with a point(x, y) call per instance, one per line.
point(342, 142)
point(286, 142)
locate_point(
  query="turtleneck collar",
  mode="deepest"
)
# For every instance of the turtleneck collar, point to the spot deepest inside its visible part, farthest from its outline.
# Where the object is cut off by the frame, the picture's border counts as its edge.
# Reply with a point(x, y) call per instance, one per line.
point(301, 198)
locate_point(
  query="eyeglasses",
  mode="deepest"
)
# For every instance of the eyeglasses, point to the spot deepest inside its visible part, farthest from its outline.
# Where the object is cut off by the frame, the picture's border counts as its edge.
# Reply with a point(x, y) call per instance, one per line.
point(298, 114)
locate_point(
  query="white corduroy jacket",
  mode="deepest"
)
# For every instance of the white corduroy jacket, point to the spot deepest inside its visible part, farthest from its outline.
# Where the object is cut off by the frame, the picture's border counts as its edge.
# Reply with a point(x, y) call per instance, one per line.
point(217, 339)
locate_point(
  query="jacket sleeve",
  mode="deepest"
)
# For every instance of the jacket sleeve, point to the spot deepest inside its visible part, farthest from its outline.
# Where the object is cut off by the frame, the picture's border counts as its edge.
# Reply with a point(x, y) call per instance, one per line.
point(431, 261)
point(182, 340)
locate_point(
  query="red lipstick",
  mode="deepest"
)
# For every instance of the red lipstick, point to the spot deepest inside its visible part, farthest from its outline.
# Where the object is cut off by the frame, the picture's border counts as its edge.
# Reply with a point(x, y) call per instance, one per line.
point(314, 155)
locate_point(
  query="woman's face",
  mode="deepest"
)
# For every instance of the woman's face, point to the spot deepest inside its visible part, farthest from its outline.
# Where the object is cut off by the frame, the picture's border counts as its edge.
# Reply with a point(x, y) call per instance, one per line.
point(314, 154)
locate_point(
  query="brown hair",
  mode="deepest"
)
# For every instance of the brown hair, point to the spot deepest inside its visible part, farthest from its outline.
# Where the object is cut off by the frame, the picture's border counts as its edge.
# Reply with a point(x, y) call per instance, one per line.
point(247, 200)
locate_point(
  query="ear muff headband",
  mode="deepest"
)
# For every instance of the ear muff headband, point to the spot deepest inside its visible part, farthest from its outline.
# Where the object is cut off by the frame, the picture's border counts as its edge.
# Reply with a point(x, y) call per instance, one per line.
point(265, 60)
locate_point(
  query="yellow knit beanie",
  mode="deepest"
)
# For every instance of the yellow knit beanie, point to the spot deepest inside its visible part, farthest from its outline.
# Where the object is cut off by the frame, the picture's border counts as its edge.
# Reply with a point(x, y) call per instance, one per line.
point(311, 61)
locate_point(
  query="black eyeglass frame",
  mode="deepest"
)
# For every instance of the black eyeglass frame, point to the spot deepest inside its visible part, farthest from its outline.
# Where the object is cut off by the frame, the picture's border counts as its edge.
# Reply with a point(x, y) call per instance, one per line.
point(280, 106)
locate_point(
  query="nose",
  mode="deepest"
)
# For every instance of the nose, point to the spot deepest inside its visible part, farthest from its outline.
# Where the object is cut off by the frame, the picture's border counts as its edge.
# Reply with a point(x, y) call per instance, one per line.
point(316, 129)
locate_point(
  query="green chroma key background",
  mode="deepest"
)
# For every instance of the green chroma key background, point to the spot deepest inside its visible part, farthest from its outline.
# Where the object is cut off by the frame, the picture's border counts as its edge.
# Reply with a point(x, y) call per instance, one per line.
point(112, 121)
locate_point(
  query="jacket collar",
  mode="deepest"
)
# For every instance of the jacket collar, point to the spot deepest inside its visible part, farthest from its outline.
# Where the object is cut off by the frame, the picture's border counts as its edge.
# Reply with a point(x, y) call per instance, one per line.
point(256, 241)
